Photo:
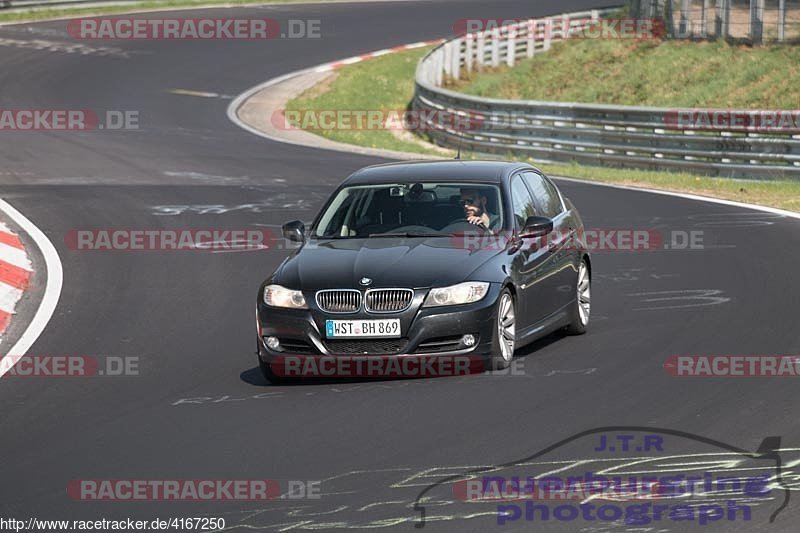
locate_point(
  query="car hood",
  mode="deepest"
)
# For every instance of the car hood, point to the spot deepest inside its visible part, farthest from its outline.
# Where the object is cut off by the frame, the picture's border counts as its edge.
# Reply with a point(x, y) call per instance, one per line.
point(388, 262)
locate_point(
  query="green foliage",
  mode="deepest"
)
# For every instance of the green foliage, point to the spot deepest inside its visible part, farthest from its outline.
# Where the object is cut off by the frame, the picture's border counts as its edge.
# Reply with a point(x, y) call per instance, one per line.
point(651, 73)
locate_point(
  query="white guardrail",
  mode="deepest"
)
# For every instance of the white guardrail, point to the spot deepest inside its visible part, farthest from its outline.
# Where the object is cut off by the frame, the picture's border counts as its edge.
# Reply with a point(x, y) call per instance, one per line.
point(729, 143)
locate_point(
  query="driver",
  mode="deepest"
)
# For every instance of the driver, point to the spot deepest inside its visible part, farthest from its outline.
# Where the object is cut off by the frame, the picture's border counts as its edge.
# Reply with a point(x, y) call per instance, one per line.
point(474, 204)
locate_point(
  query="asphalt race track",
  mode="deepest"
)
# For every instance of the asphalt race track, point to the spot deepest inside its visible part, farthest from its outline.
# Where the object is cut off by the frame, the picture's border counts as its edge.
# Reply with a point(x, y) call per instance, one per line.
point(199, 408)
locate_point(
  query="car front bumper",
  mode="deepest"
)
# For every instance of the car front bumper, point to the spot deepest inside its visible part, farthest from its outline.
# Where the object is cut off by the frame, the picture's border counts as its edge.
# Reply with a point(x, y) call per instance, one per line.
point(425, 331)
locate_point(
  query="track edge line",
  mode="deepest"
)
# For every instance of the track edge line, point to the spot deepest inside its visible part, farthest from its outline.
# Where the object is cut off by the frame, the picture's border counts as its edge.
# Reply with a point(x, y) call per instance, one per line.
point(53, 285)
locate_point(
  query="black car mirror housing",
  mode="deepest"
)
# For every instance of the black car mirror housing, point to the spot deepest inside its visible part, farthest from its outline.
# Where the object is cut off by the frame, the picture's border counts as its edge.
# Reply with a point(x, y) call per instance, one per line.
point(294, 231)
point(536, 227)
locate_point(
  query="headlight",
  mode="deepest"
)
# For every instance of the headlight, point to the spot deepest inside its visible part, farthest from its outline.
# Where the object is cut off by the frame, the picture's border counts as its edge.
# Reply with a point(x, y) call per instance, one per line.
point(277, 296)
point(463, 293)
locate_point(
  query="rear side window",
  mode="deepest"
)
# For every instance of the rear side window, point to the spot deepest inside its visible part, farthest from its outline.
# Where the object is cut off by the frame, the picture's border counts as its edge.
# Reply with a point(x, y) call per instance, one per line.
point(545, 196)
point(523, 202)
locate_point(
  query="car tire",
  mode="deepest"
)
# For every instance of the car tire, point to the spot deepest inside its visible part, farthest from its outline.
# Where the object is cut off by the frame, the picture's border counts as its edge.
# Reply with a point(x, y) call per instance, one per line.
point(504, 340)
point(581, 310)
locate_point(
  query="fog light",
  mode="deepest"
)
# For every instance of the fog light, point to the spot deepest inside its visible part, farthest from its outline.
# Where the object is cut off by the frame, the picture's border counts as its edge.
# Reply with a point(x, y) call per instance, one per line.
point(273, 343)
point(468, 340)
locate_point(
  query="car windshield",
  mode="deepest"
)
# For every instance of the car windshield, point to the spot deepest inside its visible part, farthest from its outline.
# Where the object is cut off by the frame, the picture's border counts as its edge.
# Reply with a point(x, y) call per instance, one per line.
point(414, 209)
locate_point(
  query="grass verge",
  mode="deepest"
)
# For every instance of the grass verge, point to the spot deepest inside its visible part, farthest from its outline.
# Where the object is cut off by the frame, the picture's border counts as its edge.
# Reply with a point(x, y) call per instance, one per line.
point(387, 83)
point(650, 73)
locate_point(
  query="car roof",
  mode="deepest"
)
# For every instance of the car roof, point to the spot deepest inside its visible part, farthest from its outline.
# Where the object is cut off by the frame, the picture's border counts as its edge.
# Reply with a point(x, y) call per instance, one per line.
point(451, 169)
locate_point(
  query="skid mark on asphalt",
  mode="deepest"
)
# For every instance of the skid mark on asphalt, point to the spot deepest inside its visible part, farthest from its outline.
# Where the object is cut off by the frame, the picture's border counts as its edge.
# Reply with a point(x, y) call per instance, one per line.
point(36, 30)
point(292, 392)
point(583, 372)
point(690, 298)
point(278, 201)
point(633, 274)
point(318, 390)
point(66, 48)
point(199, 94)
point(744, 219)
point(209, 178)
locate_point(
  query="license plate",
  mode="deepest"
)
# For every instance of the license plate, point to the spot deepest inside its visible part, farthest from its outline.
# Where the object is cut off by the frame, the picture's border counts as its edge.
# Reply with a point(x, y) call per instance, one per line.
point(387, 327)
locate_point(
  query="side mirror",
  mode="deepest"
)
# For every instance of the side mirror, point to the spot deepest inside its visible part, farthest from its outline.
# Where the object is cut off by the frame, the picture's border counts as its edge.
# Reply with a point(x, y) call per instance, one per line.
point(294, 231)
point(536, 227)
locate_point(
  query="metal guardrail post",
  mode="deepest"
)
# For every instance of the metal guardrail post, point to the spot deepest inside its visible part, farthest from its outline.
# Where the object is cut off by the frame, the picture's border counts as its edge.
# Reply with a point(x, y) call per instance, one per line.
point(439, 67)
point(531, 38)
point(495, 47)
point(668, 19)
point(548, 34)
point(480, 51)
point(781, 20)
point(447, 51)
point(455, 68)
point(511, 47)
point(704, 19)
point(468, 52)
point(655, 10)
point(685, 25)
point(726, 18)
point(757, 21)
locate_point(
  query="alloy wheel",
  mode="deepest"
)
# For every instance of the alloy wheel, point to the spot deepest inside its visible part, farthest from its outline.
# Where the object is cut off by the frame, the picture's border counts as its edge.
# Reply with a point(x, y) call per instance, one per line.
point(506, 326)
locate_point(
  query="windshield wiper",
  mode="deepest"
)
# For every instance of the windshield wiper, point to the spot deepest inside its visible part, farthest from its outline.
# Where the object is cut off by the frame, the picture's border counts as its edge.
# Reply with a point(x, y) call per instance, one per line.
point(407, 234)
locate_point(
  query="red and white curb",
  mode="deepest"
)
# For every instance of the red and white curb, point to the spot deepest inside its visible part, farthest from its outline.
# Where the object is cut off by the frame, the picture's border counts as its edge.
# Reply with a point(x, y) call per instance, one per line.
point(363, 57)
point(15, 274)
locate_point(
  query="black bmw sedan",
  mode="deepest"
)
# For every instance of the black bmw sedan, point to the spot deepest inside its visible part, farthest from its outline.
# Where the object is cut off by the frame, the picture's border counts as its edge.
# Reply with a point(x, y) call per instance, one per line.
point(437, 258)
